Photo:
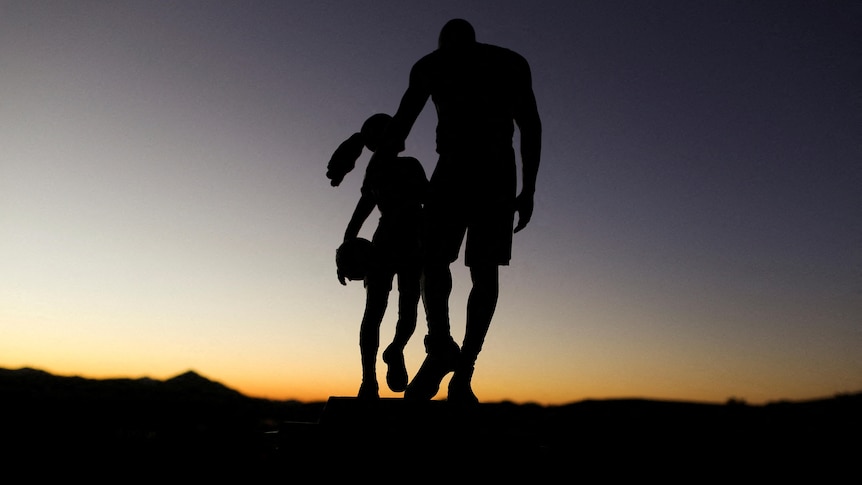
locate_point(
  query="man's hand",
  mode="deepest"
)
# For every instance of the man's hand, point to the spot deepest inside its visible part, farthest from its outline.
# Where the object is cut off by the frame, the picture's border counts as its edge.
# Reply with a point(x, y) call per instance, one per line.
point(344, 159)
point(524, 208)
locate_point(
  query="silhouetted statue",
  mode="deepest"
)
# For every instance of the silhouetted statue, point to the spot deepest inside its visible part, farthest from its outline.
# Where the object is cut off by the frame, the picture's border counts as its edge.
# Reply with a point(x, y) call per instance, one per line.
point(396, 186)
point(480, 92)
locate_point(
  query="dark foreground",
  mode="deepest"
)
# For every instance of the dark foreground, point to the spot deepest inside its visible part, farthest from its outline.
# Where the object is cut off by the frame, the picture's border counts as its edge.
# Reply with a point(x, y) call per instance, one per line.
point(190, 428)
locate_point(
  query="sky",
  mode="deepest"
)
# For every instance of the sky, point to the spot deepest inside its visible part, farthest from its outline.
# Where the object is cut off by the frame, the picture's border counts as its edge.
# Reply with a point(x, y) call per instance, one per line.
point(697, 232)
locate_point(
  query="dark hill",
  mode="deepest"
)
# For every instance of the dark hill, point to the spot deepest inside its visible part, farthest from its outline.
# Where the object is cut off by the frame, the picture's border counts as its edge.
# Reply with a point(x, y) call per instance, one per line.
point(194, 424)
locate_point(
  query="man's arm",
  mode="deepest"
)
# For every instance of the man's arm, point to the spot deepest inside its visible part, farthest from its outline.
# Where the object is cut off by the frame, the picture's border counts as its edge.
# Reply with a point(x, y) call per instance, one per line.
point(530, 126)
point(411, 106)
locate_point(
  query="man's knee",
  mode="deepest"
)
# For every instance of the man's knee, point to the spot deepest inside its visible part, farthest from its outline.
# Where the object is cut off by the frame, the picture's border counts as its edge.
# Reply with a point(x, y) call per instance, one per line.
point(485, 275)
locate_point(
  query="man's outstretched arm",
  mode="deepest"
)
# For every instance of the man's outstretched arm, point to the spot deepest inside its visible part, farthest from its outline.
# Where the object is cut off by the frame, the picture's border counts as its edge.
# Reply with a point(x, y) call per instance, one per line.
point(411, 106)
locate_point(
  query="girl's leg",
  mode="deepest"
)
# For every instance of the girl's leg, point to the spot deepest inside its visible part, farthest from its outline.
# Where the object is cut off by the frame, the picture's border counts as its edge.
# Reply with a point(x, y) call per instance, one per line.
point(408, 303)
point(376, 299)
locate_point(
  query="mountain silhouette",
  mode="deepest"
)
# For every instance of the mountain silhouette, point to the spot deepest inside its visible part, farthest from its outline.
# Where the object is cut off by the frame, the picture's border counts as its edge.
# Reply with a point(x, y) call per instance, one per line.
point(192, 380)
point(185, 422)
point(192, 385)
point(194, 424)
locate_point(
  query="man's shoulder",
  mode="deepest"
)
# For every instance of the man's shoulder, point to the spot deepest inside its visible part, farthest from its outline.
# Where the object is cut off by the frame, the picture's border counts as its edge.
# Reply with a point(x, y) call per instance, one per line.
point(479, 48)
point(499, 51)
point(409, 161)
point(501, 56)
point(411, 165)
point(429, 58)
point(494, 48)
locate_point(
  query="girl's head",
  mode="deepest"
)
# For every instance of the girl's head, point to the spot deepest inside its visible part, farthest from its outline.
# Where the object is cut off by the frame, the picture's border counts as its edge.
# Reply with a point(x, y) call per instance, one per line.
point(373, 129)
point(345, 156)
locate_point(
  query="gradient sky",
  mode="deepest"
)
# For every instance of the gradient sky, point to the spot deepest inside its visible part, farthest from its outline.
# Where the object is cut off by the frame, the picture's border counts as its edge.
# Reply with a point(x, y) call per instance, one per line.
point(697, 236)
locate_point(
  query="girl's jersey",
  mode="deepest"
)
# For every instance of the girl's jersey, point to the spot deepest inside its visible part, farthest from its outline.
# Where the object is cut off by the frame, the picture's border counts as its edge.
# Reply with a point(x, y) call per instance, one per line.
point(398, 187)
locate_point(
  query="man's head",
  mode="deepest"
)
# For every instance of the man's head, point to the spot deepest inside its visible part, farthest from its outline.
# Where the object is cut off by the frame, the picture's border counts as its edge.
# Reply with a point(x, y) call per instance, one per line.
point(456, 34)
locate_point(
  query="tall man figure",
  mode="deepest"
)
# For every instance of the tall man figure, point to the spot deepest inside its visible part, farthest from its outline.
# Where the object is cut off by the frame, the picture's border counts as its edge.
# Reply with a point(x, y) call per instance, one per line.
point(480, 92)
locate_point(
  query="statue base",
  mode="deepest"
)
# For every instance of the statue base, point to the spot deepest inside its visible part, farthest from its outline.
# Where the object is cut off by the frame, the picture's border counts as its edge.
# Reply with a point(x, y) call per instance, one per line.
point(393, 433)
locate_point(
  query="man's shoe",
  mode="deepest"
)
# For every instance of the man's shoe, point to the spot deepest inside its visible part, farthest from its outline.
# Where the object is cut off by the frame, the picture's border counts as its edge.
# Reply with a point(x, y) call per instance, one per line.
point(443, 356)
point(396, 373)
point(460, 391)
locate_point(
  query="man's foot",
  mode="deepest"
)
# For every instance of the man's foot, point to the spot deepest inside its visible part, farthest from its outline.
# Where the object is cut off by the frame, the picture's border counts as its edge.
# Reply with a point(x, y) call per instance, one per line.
point(368, 391)
point(443, 356)
point(396, 373)
point(460, 392)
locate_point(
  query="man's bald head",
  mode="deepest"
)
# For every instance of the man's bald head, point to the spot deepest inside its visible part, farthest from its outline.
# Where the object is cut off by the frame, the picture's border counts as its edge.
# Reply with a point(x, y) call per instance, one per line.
point(457, 33)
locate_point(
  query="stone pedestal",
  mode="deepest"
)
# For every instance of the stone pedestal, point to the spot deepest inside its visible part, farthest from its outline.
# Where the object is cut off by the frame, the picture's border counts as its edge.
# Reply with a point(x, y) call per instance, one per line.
point(431, 438)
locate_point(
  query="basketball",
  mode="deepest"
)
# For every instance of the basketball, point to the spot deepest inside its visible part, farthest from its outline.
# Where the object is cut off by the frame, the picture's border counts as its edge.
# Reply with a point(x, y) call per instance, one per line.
point(353, 258)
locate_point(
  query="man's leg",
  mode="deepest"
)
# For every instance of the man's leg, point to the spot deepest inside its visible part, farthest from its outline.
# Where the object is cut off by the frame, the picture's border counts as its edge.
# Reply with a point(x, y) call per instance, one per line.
point(481, 305)
point(436, 287)
point(442, 351)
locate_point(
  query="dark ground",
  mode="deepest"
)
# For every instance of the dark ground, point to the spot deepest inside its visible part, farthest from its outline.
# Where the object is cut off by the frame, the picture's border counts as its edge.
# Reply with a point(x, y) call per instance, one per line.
point(190, 428)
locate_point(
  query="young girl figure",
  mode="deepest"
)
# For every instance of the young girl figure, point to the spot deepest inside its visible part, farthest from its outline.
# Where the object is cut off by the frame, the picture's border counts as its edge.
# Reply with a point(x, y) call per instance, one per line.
point(396, 187)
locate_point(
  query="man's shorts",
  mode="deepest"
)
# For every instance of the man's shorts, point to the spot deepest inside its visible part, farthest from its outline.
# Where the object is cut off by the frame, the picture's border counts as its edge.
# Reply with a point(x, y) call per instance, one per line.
point(476, 204)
